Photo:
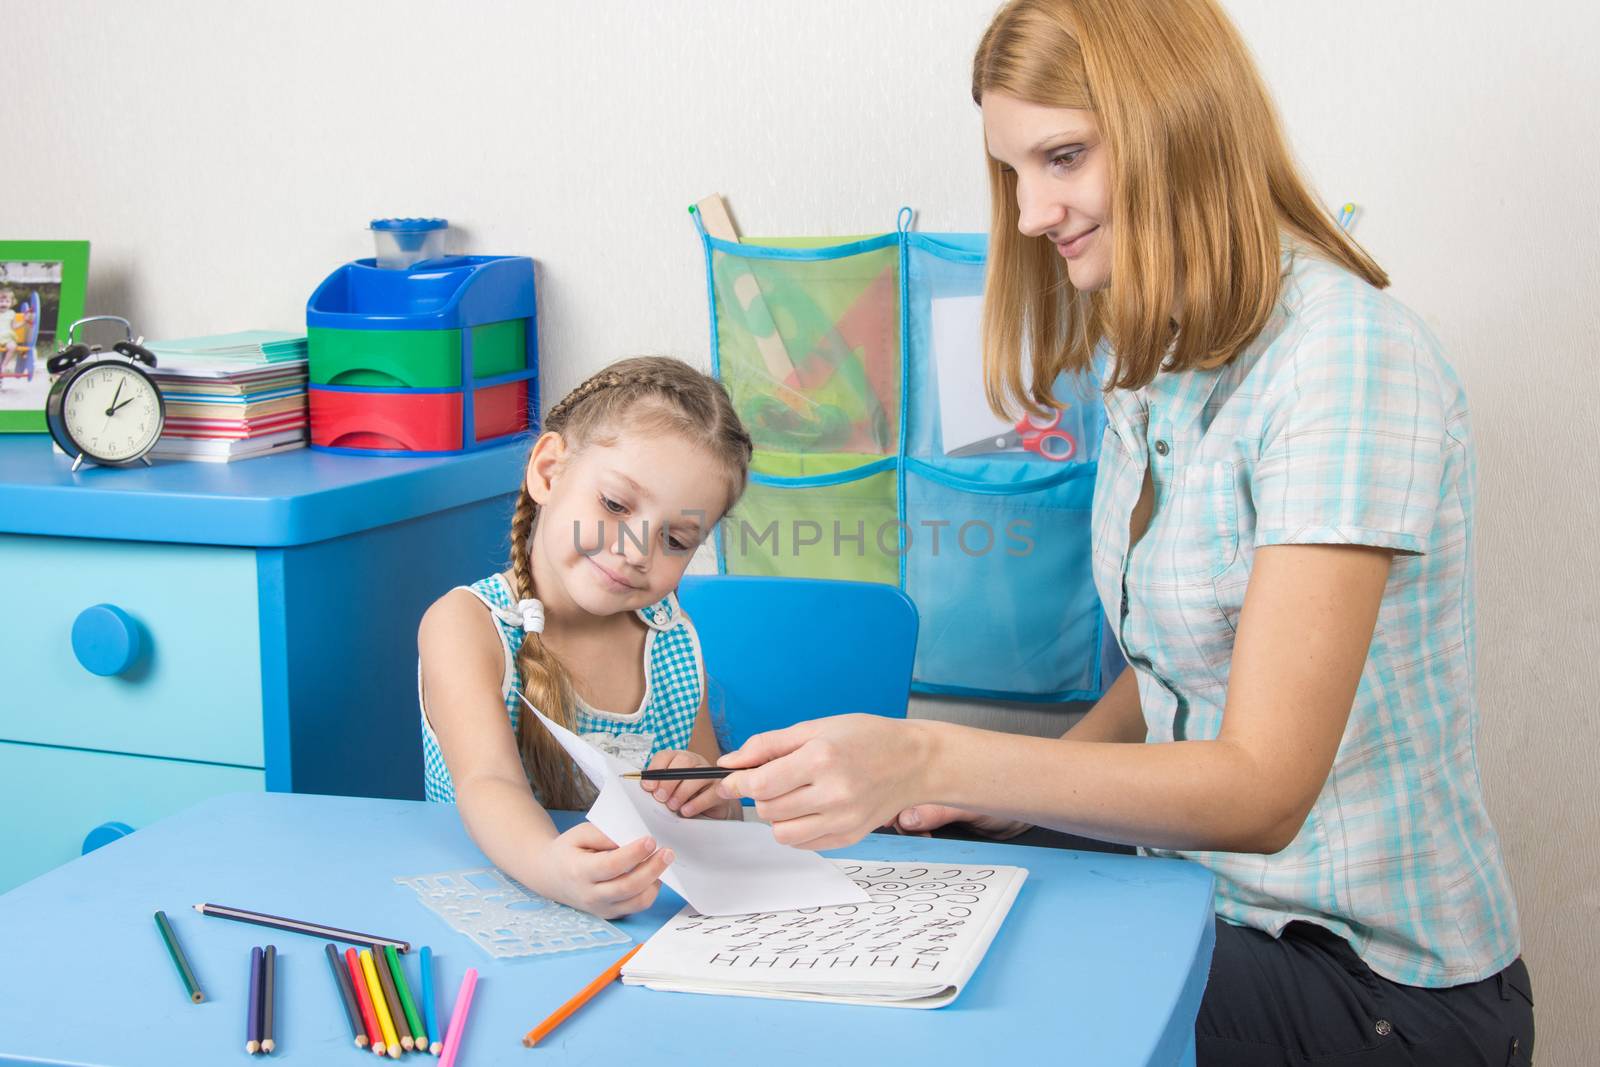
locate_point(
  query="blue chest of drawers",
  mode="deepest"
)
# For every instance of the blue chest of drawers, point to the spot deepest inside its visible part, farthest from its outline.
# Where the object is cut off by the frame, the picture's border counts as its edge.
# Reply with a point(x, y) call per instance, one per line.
point(171, 633)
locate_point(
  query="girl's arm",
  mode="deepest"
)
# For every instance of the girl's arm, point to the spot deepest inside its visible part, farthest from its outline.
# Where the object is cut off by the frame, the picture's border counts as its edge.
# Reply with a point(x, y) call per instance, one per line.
point(462, 667)
point(1302, 643)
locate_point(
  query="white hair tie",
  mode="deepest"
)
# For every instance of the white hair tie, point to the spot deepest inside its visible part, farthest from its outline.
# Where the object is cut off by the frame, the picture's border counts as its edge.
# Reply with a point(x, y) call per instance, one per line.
point(529, 614)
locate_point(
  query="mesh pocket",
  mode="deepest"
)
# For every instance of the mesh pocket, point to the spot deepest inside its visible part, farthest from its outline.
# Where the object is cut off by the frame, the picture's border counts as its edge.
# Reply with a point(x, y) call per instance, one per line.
point(1002, 582)
point(789, 526)
point(810, 347)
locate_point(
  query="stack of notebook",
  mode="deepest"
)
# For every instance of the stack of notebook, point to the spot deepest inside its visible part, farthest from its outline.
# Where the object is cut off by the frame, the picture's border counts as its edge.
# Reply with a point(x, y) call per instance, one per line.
point(231, 396)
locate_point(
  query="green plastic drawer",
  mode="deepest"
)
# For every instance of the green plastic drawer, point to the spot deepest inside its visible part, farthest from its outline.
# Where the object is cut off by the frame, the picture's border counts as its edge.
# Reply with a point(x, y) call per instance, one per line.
point(51, 798)
point(196, 691)
point(413, 358)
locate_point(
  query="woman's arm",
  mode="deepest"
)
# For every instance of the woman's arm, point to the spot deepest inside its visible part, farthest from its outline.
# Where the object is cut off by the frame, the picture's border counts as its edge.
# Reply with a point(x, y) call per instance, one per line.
point(1115, 718)
point(1302, 643)
point(462, 666)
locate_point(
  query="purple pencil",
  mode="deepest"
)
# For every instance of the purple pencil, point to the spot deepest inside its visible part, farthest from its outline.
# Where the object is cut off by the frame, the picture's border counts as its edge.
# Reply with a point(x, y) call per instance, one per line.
point(252, 1042)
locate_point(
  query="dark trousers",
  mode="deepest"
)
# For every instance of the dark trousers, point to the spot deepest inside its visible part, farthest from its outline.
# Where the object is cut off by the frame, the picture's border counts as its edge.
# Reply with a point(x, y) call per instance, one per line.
point(1307, 999)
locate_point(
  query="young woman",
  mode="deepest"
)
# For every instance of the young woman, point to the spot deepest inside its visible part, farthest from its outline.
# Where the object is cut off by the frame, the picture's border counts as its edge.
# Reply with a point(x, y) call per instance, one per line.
point(1283, 529)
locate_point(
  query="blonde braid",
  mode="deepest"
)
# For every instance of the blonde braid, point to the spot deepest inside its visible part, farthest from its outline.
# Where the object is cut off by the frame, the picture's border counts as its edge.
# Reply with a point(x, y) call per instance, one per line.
point(545, 682)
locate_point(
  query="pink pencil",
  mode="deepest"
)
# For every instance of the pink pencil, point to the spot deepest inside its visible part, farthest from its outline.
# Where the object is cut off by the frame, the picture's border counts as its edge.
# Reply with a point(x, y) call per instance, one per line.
point(458, 1018)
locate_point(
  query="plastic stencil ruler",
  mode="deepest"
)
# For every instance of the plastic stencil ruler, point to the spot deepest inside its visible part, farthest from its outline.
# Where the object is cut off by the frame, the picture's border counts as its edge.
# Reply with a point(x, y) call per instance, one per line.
point(505, 917)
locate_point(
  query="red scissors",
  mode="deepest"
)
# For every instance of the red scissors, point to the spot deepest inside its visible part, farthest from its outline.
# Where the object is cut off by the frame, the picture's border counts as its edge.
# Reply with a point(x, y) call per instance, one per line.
point(1041, 436)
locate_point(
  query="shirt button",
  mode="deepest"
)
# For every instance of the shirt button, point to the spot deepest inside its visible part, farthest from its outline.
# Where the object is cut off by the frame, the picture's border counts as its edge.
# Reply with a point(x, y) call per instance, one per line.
point(1162, 448)
point(1384, 1028)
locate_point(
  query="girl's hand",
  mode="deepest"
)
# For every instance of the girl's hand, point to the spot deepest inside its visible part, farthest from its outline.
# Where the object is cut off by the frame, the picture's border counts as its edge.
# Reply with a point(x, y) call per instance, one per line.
point(585, 869)
point(692, 797)
point(830, 782)
point(926, 817)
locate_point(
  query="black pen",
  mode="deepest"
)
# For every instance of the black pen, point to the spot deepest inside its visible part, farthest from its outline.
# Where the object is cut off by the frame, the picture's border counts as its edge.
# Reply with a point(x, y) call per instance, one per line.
point(680, 774)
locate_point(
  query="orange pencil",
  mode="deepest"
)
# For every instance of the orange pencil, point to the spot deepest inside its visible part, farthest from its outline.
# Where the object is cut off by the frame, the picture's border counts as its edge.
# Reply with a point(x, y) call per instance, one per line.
point(606, 978)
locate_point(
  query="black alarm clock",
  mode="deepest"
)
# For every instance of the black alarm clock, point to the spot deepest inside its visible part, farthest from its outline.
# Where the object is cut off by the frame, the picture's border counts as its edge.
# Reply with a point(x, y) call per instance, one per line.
point(104, 406)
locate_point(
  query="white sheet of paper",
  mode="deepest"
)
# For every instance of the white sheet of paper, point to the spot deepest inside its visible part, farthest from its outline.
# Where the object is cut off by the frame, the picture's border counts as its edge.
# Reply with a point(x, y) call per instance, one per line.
point(964, 415)
point(721, 867)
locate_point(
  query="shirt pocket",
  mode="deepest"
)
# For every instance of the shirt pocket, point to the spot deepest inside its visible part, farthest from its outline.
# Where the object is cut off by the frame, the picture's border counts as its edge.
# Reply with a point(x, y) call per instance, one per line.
point(1196, 528)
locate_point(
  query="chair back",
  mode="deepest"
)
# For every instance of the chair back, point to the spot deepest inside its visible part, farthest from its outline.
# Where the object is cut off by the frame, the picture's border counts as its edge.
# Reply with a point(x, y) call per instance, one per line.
point(779, 651)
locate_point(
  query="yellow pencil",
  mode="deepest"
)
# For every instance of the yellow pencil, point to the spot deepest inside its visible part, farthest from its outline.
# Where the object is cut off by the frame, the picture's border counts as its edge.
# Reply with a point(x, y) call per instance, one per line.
point(380, 1005)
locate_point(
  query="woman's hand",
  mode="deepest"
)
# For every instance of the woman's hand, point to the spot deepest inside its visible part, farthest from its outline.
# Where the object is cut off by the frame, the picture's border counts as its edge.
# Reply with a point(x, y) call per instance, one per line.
point(924, 818)
point(587, 870)
point(690, 797)
point(830, 782)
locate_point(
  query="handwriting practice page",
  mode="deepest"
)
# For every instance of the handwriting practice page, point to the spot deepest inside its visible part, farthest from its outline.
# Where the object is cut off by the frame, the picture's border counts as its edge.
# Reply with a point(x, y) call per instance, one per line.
point(914, 943)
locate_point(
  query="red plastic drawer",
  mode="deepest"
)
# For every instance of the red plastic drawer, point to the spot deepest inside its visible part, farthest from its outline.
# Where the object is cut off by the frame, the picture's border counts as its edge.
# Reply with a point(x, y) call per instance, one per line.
point(413, 422)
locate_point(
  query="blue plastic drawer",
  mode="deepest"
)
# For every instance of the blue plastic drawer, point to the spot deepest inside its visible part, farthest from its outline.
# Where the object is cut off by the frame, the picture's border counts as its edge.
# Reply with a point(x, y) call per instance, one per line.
point(52, 798)
point(195, 690)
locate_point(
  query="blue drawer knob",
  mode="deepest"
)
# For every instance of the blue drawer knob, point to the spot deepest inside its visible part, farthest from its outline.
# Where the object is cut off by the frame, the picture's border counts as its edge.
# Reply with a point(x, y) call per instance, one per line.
point(106, 639)
point(104, 834)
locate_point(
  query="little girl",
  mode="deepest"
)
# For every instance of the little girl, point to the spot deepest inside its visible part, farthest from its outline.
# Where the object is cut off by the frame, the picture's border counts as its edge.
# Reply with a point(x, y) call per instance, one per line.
point(634, 468)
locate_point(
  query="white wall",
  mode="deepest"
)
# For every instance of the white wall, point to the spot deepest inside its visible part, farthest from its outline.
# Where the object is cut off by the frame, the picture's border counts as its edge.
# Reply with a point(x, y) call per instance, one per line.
point(223, 158)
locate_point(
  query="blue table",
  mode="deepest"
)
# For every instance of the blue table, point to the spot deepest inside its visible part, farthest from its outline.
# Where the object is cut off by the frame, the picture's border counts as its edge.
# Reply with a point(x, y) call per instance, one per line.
point(1102, 960)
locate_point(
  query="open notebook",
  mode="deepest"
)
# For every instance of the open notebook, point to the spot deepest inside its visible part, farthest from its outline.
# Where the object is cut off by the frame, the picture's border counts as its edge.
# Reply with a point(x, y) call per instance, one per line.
point(915, 944)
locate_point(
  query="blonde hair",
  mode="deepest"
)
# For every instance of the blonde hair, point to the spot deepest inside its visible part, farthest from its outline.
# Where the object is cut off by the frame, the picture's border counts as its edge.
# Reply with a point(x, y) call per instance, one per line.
point(1203, 190)
point(652, 393)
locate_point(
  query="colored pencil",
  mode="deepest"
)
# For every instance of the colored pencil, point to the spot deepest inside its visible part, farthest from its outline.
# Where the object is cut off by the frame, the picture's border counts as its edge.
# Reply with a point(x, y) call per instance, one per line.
point(390, 1038)
point(429, 1015)
point(458, 1018)
point(369, 1018)
point(606, 977)
point(392, 996)
point(347, 995)
point(419, 1037)
point(679, 774)
point(179, 960)
point(252, 1033)
point(269, 968)
point(278, 922)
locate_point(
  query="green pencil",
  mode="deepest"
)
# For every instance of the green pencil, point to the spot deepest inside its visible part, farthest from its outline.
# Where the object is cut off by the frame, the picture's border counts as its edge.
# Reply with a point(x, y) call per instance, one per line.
point(406, 1002)
point(179, 960)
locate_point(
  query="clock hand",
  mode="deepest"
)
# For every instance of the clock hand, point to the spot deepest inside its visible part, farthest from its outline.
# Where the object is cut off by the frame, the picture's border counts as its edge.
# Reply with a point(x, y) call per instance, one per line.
point(118, 407)
point(112, 409)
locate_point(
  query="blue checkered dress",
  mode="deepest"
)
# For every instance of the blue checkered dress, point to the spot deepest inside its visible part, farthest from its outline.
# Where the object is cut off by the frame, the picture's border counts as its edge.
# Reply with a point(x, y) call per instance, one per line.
point(1340, 424)
point(673, 688)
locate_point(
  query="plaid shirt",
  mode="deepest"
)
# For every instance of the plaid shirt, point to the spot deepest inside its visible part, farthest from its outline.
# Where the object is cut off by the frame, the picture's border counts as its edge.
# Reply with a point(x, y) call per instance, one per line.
point(1340, 424)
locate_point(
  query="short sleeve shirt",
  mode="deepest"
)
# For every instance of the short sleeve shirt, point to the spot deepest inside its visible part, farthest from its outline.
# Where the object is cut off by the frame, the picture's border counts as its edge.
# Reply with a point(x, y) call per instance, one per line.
point(1340, 424)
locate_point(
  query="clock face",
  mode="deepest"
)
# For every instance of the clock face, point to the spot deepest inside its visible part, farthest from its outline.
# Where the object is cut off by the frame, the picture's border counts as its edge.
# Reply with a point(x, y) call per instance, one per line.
point(112, 412)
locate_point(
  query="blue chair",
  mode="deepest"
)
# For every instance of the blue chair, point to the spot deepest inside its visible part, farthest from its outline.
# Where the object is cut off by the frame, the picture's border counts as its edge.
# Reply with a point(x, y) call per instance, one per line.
point(783, 650)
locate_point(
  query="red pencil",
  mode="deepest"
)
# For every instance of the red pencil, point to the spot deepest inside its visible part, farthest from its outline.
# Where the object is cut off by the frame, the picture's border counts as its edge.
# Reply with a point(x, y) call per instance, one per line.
point(369, 1017)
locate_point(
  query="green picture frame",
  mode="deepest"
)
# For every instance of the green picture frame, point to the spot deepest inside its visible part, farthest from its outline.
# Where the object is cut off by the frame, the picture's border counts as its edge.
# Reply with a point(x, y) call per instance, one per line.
point(45, 281)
